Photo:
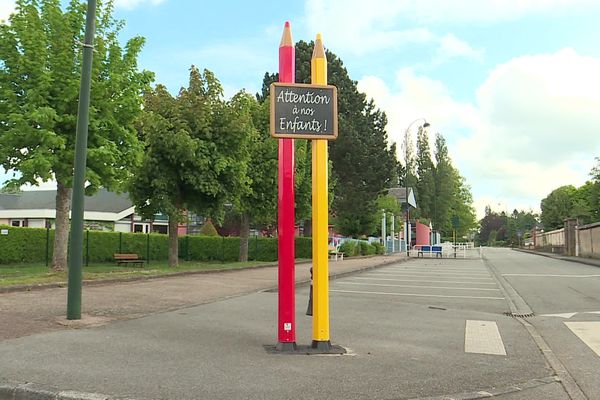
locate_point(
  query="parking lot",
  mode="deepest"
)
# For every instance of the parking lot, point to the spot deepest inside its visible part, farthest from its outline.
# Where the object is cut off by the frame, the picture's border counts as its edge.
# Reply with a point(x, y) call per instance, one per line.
point(454, 283)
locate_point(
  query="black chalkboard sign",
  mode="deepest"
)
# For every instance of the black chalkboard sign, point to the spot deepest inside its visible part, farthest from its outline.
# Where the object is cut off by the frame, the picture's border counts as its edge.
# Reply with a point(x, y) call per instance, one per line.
point(303, 111)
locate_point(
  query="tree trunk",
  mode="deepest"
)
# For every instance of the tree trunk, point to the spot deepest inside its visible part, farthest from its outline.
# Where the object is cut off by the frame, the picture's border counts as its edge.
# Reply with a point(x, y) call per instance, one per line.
point(173, 241)
point(244, 234)
point(61, 234)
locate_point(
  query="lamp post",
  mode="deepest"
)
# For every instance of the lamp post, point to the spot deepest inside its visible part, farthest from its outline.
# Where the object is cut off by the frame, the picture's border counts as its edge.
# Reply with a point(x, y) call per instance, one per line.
point(78, 196)
point(406, 133)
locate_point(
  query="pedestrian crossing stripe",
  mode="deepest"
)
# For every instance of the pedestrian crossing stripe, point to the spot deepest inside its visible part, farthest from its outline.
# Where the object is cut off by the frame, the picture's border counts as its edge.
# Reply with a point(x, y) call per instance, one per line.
point(483, 337)
point(588, 332)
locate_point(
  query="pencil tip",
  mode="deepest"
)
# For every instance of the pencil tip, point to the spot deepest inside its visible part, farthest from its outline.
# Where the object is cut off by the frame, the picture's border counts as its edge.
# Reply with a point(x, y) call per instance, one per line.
point(286, 38)
point(318, 50)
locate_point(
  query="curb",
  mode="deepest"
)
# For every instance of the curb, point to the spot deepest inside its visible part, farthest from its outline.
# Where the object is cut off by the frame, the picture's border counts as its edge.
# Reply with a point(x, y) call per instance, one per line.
point(100, 282)
point(31, 391)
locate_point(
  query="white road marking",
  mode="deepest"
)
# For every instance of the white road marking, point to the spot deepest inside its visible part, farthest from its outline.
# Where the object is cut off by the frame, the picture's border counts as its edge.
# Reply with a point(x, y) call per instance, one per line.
point(563, 315)
point(554, 276)
point(593, 312)
point(483, 337)
point(433, 272)
point(422, 280)
point(434, 267)
point(588, 332)
point(425, 275)
point(412, 286)
point(418, 295)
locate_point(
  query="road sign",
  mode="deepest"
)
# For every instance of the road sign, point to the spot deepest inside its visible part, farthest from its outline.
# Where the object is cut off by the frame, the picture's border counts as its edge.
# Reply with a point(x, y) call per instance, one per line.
point(304, 111)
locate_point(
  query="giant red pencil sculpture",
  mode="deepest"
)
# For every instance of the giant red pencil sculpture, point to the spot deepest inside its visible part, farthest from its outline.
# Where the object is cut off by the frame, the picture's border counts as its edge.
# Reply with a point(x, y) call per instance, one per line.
point(285, 223)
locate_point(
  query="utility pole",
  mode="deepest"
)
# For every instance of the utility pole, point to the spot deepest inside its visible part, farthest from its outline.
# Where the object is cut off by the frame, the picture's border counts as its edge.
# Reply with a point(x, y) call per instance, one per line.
point(76, 245)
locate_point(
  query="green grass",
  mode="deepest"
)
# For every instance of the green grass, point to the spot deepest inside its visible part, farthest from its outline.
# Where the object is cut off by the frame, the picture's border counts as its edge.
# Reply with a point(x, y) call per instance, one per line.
point(35, 274)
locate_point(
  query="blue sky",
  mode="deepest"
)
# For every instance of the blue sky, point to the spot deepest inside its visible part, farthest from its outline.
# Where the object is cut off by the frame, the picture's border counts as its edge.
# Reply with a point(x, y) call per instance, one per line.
point(513, 85)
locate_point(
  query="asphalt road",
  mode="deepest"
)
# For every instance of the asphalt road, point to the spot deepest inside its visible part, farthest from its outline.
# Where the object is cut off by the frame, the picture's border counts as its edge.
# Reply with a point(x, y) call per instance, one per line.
point(565, 297)
point(420, 329)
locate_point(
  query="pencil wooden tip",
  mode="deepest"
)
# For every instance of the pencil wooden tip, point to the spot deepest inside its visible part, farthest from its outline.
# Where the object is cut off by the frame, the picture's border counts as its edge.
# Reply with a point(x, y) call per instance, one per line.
point(319, 50)
point(286, 38)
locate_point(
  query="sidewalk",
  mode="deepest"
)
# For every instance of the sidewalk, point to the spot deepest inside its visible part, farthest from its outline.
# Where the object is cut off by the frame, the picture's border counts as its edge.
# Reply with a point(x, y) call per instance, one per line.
point(582, 260)
point(30, 312)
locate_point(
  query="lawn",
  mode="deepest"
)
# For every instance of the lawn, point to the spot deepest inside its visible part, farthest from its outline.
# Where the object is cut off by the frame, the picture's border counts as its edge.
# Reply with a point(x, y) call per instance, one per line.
point(34, 274)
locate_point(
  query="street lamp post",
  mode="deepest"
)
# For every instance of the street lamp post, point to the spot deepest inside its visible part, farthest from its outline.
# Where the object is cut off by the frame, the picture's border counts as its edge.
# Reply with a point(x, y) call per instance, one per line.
point(406, 133)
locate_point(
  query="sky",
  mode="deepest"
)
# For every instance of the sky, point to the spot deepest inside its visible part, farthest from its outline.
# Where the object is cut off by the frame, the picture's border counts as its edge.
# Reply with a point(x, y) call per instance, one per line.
point(513, 85)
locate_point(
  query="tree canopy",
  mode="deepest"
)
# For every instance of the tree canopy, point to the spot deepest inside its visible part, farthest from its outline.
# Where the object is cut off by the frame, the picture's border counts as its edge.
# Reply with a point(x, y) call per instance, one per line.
point(40, 69)
point(196, 152)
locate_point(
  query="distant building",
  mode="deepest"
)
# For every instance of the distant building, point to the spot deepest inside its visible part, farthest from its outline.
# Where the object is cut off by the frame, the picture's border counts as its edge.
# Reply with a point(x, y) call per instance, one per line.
point(105, 211)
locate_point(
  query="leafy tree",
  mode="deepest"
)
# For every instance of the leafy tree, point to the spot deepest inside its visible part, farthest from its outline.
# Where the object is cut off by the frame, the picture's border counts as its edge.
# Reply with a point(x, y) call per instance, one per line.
point(557, 206)
point(444, 186)
point(461, 205)
point(519, 224)
point(582, 203)
point(259, 204)
point(40, 68)
point(196, 152)
point(592, 192)
point(491, 224)
point(426, 191)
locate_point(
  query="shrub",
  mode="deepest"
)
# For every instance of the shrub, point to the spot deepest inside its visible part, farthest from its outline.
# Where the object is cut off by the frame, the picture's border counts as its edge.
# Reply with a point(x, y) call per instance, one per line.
point(263, 249)
point(370, 250)
point(31, 244)
point(24, 245)
point(348, 248)
point(102, 246)
point(208, 229)
point(378, 247)
point(364, 248)
point(304, 247)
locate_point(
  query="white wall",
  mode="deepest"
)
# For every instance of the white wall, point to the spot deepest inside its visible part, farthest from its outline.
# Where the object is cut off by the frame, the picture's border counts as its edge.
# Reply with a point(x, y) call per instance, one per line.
point(36, 223)
point(122, 226)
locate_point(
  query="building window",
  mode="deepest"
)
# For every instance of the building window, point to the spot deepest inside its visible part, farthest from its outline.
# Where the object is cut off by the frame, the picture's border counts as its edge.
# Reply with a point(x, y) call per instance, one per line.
point(160, 229)
point(17, 223)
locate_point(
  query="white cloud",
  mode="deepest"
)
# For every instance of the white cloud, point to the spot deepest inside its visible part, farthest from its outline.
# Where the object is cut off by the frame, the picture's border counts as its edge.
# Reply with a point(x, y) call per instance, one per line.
point(457, 11)
point(131, 4)
point(452, 47)
point(358, 27)
point(534, 126)
point(6, 8)
point(487, 11)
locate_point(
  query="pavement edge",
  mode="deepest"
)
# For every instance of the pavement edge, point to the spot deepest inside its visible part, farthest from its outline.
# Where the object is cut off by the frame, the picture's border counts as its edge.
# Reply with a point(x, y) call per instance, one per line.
point(31, 391)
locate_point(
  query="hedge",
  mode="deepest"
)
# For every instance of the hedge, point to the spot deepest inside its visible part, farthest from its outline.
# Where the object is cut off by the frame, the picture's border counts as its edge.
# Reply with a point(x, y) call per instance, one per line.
point(360, 248)
point(29, 245)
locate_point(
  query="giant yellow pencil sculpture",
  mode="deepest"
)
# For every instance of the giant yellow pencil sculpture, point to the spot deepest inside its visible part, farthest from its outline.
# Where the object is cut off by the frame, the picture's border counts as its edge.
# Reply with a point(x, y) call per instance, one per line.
point(320, 221)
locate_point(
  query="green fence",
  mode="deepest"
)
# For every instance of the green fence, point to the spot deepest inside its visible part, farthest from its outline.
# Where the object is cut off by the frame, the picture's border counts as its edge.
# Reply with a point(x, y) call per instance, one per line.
point(32, 245)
